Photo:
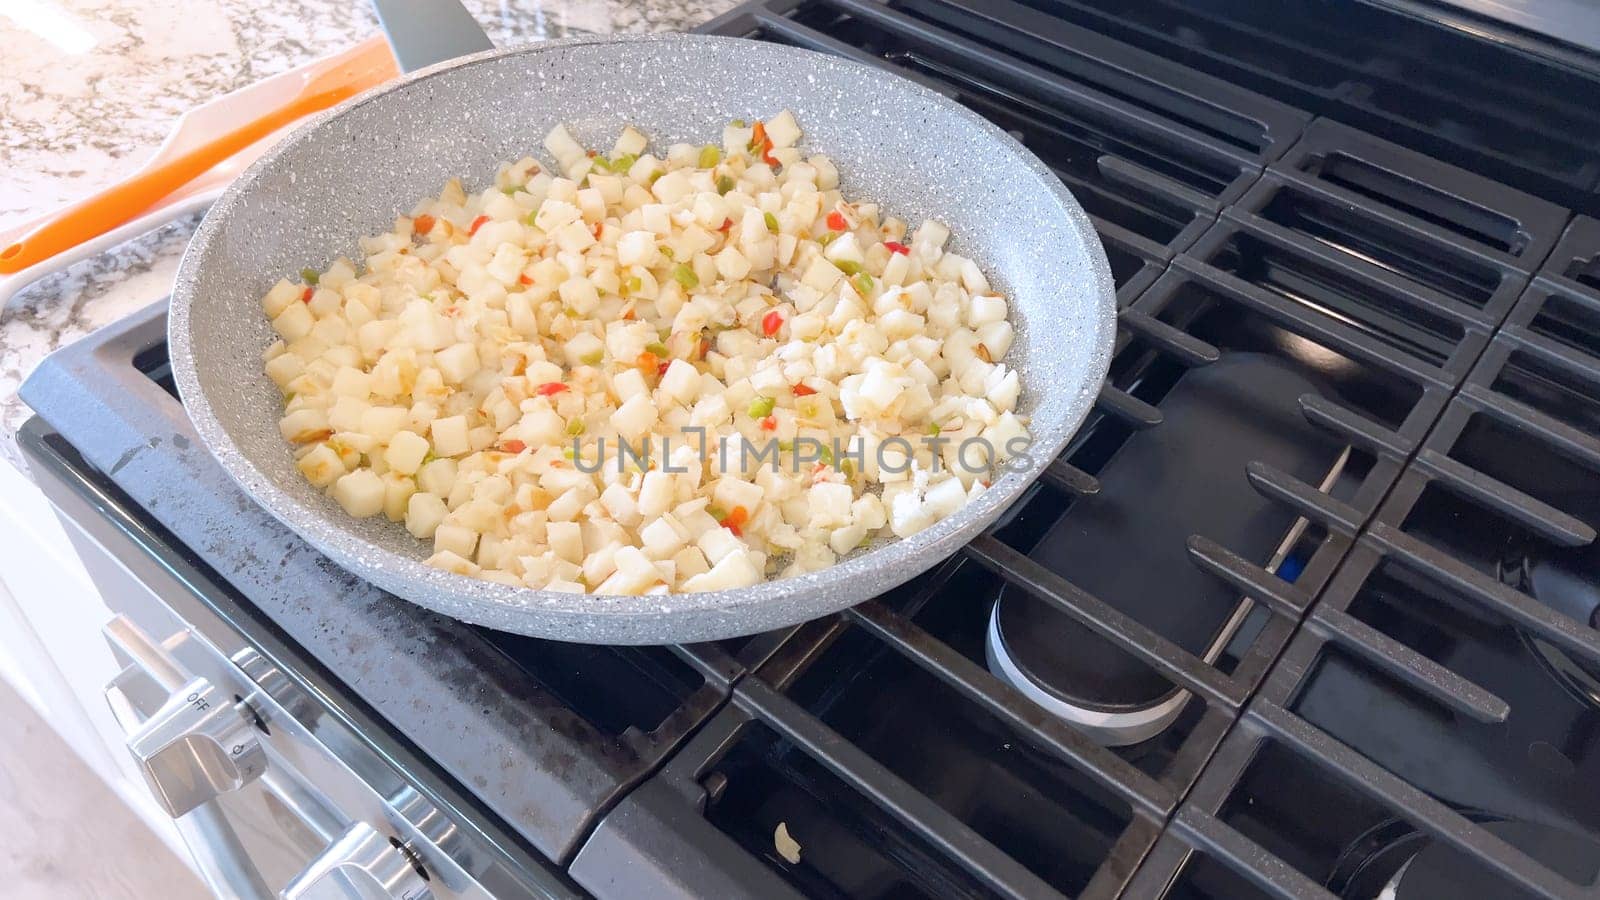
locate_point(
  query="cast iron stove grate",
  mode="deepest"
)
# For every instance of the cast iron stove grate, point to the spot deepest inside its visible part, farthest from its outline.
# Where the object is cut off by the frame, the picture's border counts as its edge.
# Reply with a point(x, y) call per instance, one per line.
point(1464, 90)
point(1483, 561)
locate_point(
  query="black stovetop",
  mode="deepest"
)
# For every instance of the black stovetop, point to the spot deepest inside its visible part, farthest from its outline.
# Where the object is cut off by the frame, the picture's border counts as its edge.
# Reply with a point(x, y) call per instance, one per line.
point(1357, 381)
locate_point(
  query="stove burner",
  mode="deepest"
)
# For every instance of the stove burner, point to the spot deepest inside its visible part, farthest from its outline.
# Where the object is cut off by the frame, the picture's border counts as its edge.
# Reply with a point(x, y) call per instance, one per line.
point(1563, 580)
point(1396, 862)
point(1126, 544)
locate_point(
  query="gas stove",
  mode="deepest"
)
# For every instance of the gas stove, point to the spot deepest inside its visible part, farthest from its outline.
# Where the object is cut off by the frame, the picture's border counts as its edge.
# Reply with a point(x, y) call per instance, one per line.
point(1308, 608)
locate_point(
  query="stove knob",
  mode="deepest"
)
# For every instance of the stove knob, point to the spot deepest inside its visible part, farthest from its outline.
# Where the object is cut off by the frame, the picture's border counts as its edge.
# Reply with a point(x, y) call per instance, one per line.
point(198, 745)
point(361, 865)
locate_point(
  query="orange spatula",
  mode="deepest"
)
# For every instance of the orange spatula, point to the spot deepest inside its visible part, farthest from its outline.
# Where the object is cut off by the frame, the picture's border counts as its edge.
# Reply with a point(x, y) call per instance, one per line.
point(343, 78)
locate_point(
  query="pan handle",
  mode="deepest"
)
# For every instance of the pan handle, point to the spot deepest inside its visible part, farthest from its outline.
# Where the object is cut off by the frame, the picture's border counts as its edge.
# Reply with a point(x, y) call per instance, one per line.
point(424, 32)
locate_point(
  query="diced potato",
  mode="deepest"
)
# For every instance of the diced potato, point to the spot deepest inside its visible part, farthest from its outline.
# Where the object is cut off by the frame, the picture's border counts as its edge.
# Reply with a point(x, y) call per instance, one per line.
point(734, 570)
point(985, 308)
point(620, 504)
point(655, 494)
point(321, 466)
point(424, 512)
point(634, 572)
point(783, 130)
point(304, 426)
point(731, 264)
point(671, 187)
point(829, 504)
point(455, 539)
point(450, 436)
point(733, 492)
point(397, 492)
point(585, 350)
point(717, 543)
point(382, 422)
point(294, 322)
point(637, 248)
point(661, 539)
point(457, 362)
point(908, 515)
point(453, 562)
point(553, 214)
point(360, 493)
point(280, 297)
point(929, 239)
point(634, 417)
point(996, 338)
point(629, 383)
point(629, 143)
point(689, 562)
point(600, 563)
point(285, 369)
point(561, 145)
point(405, 452)
point(437, 476)
point(821, 275)
point(565, 540)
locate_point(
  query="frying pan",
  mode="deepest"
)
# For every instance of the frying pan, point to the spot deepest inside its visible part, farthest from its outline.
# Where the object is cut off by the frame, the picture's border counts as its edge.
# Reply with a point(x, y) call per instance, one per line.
point(351, 170)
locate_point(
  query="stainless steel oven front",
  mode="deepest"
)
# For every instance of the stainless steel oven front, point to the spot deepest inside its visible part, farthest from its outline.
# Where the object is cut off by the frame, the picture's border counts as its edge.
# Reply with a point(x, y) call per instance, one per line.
point(277, 787)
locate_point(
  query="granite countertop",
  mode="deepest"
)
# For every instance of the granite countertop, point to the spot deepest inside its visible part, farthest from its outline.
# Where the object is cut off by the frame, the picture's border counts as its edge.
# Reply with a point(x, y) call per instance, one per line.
point(91, 87)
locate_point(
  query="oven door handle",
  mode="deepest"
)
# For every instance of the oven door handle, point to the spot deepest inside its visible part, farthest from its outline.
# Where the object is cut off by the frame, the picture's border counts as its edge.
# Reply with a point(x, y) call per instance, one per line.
point(221, 859)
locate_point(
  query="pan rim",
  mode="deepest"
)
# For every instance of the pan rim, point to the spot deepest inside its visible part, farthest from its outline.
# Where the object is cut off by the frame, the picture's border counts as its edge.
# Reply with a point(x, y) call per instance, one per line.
point(558, 614)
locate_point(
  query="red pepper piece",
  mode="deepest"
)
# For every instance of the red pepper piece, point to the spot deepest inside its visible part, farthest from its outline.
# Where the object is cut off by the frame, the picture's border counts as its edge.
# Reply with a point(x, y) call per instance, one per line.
point(836, 221)
point(513, 446)
point(422, 224)
point(771, 322)
point(897, 247)
point(735, 518)
point(476, 224)
point(801, 390)
point(305, 295)
point(760, 142)
point(551, 388)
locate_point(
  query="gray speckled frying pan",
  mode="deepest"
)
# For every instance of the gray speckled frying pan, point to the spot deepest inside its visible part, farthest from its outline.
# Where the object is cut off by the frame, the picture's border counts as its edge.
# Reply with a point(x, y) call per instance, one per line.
point(350, 171)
